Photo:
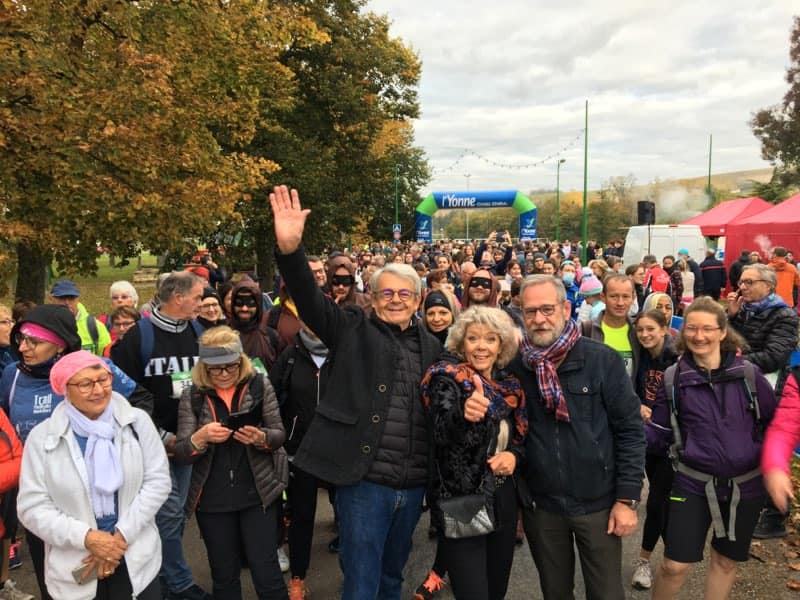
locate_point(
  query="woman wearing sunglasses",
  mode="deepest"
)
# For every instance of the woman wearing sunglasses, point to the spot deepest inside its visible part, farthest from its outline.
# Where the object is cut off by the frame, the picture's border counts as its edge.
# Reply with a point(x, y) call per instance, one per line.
point(230, 428)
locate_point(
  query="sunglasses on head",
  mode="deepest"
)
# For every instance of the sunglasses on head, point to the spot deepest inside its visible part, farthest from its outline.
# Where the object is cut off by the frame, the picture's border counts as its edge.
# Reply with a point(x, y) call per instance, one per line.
point(482, 282)
point(343, 280)
point(248, 301)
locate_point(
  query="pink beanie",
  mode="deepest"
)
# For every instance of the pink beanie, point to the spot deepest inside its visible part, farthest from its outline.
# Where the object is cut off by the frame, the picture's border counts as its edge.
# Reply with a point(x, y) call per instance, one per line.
point(71, 363)
point(590, 286)
point(42, 333)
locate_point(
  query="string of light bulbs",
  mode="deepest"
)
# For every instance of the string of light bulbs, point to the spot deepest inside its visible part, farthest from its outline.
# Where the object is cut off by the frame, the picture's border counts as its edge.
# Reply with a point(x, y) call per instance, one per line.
point(467, 152)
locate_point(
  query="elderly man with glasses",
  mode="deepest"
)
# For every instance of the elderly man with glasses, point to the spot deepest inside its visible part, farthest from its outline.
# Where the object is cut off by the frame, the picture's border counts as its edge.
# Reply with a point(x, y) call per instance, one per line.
point(584, 450)
point(770, 328)
point(369, 436)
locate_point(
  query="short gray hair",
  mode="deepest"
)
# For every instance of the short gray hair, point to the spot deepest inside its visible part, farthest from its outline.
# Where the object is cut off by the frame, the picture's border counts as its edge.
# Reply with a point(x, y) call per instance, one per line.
point(765, 272)
point(497, 320)
point(533, 280)
point(400, 270)
point(124, 287)
point(178, 282)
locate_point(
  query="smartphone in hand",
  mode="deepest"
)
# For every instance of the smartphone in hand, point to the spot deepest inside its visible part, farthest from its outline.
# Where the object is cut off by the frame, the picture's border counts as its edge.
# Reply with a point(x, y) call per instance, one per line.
point(78, 574)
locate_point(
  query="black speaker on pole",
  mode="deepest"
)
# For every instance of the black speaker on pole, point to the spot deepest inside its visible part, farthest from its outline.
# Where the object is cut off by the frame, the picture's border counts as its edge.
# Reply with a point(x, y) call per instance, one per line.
point(646, 212)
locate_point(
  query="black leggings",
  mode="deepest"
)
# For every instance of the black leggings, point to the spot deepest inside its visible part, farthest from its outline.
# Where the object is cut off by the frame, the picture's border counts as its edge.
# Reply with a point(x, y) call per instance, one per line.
point(479, 567)
point(659, 476)
point(36, 548)
point(303, 505)
point(252, 531)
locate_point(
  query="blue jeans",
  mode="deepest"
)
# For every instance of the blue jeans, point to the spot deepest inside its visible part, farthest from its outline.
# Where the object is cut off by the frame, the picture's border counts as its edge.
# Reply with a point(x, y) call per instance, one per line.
point(376, 524)
point(170, 521)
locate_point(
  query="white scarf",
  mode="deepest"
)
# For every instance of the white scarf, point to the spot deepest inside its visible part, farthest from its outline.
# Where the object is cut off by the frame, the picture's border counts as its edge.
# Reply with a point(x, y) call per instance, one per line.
point(101, 457)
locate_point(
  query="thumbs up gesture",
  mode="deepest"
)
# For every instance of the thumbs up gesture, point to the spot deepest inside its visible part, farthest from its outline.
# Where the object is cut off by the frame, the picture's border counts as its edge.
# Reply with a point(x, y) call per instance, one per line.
point(477, 404)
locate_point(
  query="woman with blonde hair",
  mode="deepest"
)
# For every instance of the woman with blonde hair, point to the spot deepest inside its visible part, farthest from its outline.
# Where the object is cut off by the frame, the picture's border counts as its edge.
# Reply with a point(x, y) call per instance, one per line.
point(479, 427)
point(230, 429)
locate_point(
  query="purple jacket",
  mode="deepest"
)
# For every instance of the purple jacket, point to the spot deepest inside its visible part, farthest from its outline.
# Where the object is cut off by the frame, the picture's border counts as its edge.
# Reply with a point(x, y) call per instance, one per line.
point(718, 428)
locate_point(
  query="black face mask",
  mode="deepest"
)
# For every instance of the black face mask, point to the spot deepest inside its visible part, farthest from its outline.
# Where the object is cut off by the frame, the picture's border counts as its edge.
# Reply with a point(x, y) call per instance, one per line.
point(482, 282)
point(346, 280)
point(247, 301)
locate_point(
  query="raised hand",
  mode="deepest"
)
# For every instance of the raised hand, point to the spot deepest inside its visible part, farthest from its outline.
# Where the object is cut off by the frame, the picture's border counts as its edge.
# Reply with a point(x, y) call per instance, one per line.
point(477, 404)
point(289, 218)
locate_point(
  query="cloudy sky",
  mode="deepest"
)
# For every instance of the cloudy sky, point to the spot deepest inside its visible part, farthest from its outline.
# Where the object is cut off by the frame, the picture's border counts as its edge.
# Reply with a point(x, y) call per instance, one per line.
point(507, 80)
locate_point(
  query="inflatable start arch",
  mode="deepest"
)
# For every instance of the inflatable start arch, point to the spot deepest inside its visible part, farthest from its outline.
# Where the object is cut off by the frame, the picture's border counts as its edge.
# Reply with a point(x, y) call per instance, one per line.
point(493, 199)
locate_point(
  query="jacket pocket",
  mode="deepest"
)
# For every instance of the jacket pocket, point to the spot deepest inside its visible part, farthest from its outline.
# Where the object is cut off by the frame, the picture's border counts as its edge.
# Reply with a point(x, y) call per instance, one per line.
point(582, 397)
point(339, 416)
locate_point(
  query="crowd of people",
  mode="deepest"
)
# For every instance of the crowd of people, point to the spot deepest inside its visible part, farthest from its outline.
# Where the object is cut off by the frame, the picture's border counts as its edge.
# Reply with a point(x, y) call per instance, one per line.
point(510, 389)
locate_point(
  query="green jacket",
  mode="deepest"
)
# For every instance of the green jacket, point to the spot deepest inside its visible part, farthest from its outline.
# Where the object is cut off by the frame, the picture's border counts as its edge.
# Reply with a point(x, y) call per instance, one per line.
point(95, 346)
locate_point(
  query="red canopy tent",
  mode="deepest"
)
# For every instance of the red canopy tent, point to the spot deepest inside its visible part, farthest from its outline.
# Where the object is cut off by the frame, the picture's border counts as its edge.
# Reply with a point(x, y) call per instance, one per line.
point(714, 221)
point(778, 226)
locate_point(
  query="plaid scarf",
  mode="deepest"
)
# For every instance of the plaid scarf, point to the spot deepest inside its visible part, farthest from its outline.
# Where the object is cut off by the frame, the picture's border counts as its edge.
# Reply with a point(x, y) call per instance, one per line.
point(542, 362)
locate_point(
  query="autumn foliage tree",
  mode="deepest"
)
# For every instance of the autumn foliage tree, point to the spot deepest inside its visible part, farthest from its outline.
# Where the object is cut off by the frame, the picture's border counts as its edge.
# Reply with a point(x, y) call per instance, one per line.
point(136, 125)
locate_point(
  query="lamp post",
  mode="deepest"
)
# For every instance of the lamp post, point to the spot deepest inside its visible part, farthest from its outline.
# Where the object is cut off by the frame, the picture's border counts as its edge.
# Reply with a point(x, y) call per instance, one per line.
point(396, 192)
point(558, 198)
point(467, 176)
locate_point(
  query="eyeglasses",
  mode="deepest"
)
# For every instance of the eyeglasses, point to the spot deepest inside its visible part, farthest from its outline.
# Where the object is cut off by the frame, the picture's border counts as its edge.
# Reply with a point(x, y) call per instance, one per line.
point(31, 341)
point(388, 294)
point(208, 305)
point(694, 329)
point(231, 368)
point(6, 321)
point(345, 280)
point(482, 282)
point(123, 324)
point(248, 301)
point(749, 282)
point(547, 310)
point(120, 297)
point(87, 385)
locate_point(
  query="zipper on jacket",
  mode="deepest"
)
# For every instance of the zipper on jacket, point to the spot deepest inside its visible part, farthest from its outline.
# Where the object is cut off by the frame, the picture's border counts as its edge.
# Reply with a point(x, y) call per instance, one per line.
point(294, 424)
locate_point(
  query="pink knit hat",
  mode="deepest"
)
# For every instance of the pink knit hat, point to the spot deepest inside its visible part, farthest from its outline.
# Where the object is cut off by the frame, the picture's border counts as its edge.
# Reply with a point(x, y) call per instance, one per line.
point(590, 286)
point(71, 363)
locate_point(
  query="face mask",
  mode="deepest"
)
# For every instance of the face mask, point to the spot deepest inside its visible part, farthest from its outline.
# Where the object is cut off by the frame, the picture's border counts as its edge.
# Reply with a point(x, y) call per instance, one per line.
point(568, 278)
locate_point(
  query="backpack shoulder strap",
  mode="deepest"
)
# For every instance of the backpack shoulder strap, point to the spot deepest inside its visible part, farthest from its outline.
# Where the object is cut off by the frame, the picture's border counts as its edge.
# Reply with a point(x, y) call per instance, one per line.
point(671, 375)
point(752, 395)
point(91, 325)
point(196, 399)
point(256, 388)
point(586, 328)
point(146, 340)
point(273, 317)
point(198, 328)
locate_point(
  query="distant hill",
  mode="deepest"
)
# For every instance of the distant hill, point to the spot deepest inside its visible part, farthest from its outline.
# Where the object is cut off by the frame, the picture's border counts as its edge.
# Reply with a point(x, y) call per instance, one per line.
point(736, 182)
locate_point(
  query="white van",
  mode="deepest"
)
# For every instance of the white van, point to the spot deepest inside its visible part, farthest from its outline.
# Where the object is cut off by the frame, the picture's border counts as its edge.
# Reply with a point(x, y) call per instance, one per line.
point(661, 240)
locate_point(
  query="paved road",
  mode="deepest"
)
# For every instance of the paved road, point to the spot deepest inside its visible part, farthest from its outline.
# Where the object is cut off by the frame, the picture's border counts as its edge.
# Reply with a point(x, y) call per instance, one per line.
point(760, 580)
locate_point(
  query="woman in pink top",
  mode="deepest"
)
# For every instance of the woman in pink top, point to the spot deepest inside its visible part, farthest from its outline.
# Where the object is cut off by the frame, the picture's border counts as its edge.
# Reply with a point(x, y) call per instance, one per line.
point(782, 437)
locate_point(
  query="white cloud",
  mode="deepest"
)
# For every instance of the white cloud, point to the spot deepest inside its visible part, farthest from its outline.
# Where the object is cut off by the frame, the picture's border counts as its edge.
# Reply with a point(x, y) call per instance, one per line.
point(508, 80)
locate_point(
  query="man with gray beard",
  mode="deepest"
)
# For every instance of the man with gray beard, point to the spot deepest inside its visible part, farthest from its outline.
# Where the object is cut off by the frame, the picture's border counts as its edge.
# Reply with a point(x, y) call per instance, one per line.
point(584, 450)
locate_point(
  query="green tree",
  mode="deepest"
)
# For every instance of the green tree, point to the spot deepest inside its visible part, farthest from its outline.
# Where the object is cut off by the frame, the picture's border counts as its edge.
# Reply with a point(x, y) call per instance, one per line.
point(778, 127)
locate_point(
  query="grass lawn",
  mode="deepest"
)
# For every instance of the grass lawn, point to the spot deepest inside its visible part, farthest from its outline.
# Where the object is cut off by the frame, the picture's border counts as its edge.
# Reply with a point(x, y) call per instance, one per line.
point(94, 289)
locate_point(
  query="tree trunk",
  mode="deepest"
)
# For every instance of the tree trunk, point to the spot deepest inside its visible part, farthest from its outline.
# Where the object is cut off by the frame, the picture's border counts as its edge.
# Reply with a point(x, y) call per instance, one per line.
point(31, 273)
point(264, 248)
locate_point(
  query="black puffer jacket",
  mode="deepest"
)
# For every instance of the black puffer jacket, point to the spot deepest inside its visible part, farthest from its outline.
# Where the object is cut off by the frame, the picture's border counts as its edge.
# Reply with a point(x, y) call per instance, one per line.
point(348, 427)
point(401, 459)
point(268, 465)
point(772, 337)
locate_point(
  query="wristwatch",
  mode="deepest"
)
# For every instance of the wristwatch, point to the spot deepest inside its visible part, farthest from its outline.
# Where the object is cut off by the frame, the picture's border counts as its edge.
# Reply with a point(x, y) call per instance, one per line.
point(632, 504)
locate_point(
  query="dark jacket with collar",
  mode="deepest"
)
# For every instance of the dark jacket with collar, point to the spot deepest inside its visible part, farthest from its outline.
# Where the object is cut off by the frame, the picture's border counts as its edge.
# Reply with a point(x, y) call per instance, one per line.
point(593, 329)
point(583, 466)
point(343, 439)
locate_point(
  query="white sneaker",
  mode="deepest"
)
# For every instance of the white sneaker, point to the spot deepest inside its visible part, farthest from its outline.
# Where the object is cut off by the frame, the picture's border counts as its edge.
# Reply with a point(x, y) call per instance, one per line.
point(642, 576)
point(283, 560)
point(10, 592)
